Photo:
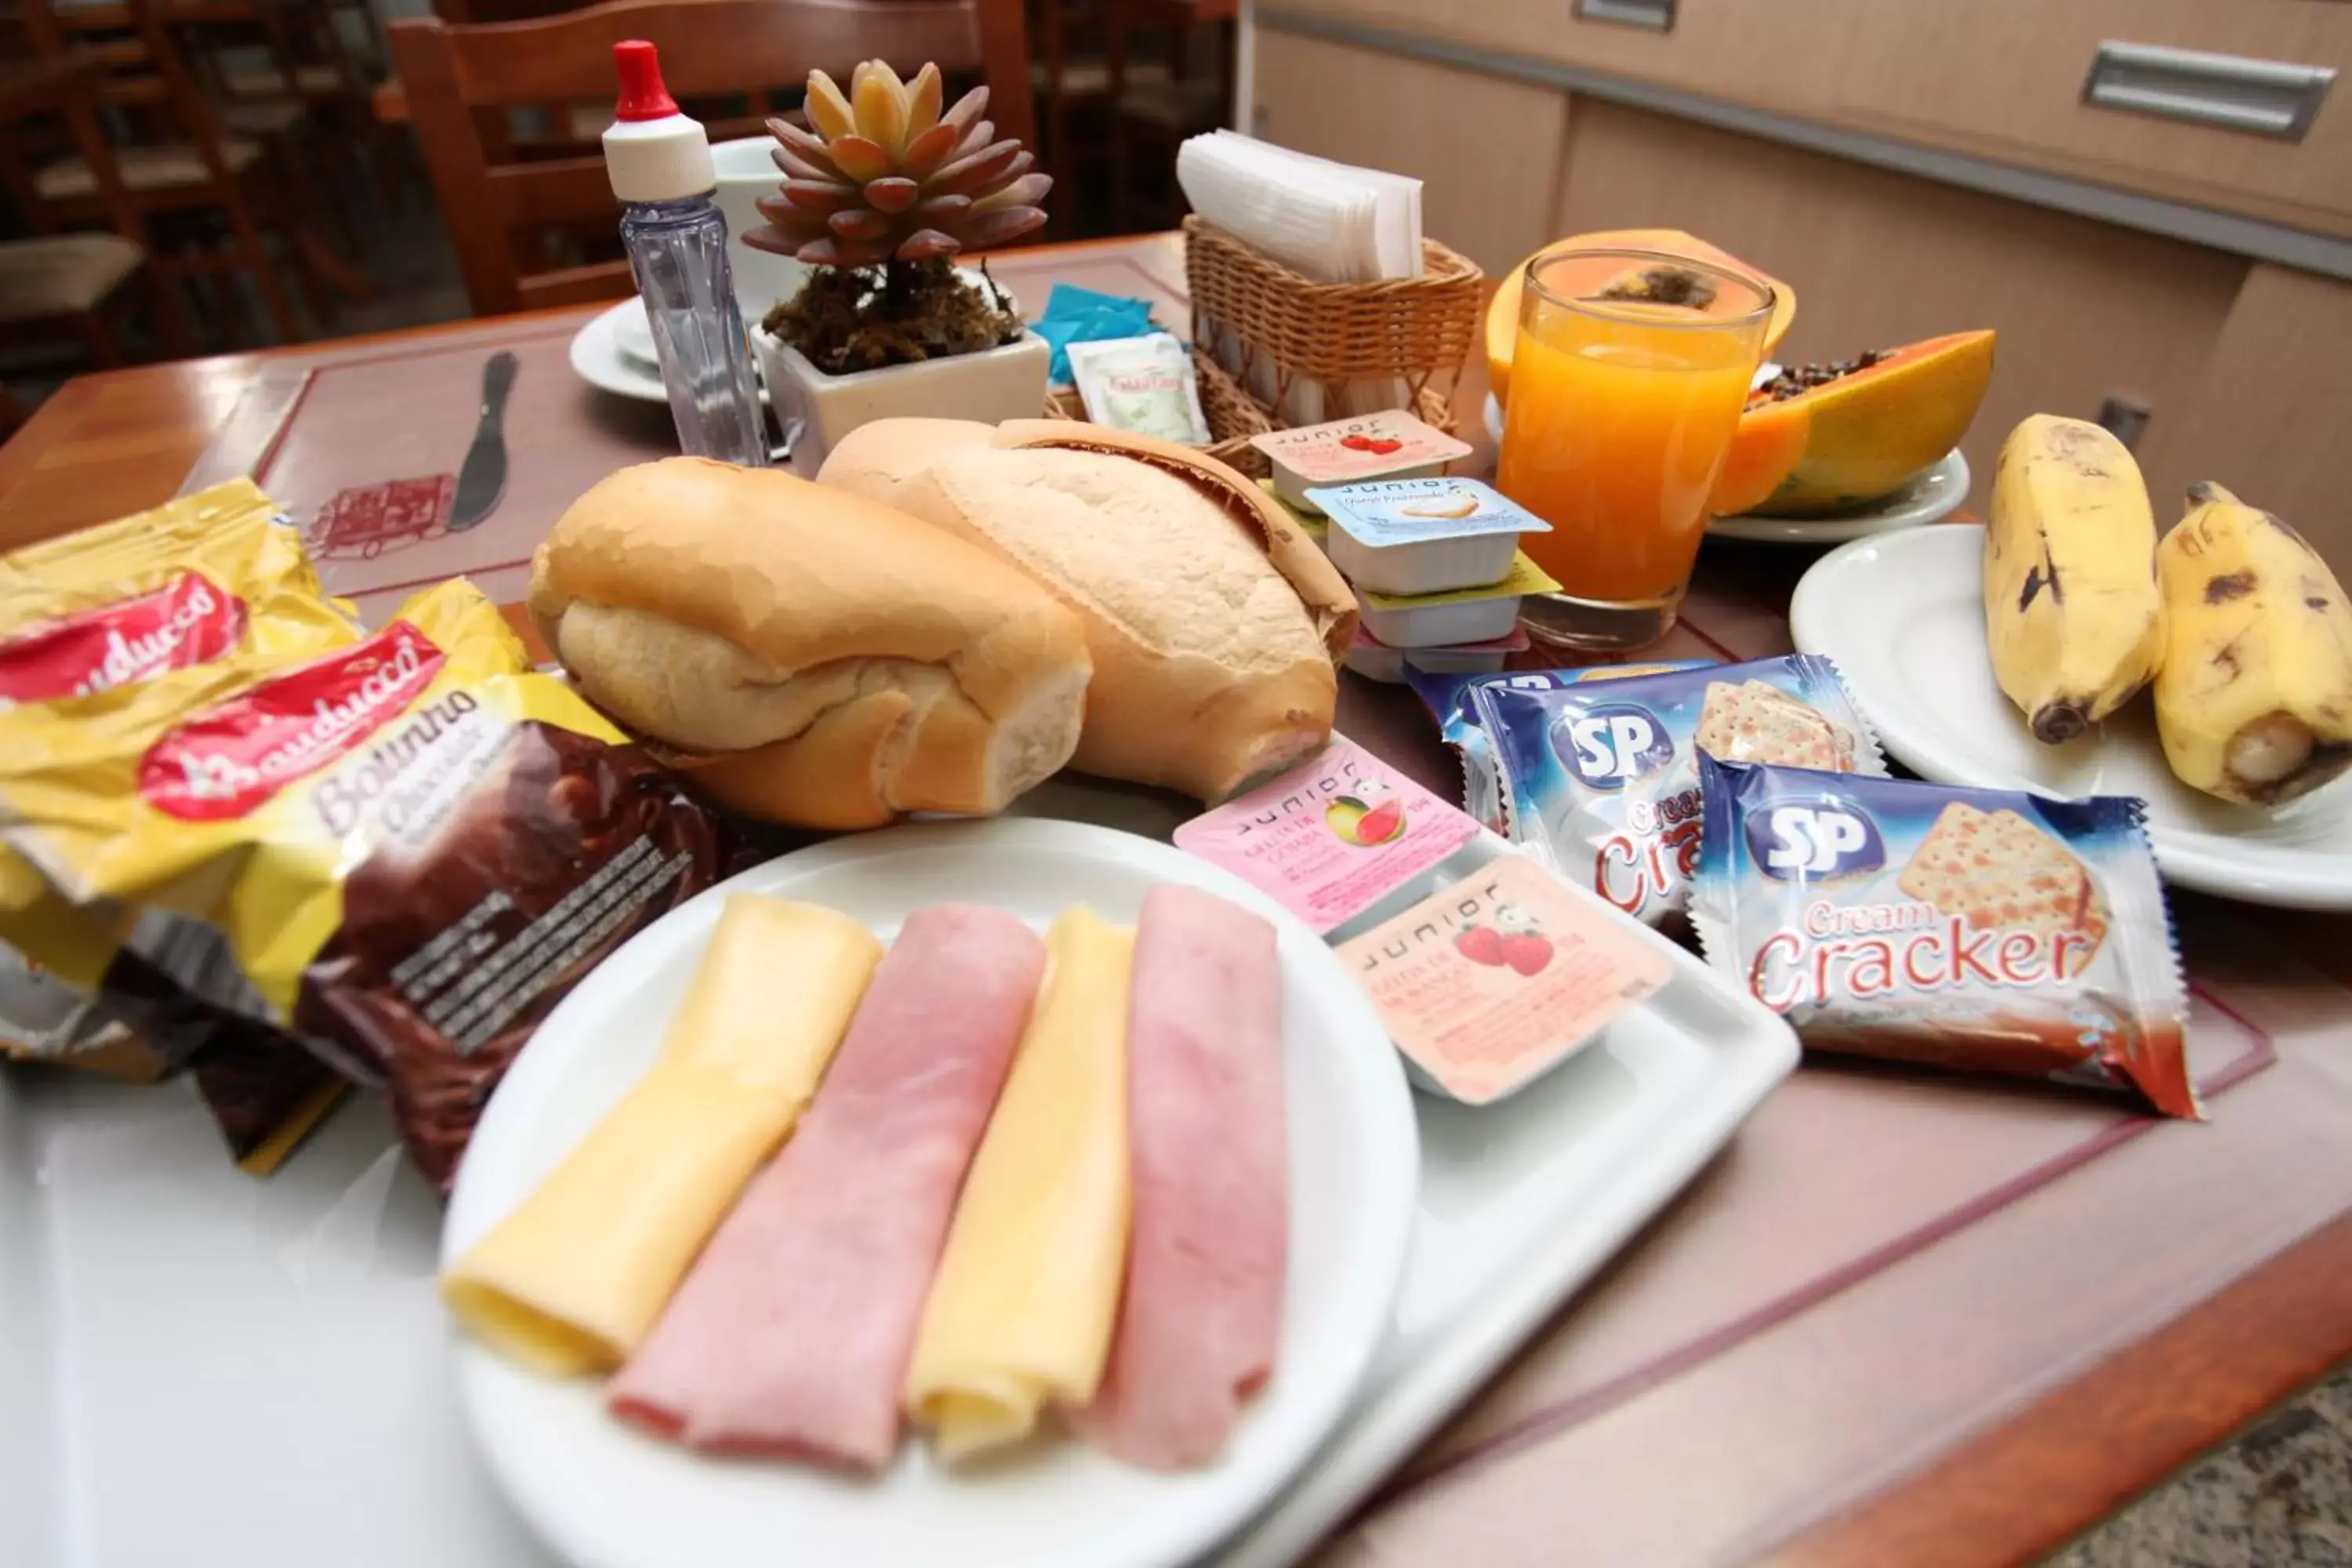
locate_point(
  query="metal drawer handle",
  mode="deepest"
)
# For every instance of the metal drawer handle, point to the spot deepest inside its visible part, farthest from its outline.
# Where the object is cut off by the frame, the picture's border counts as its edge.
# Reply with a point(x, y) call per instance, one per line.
point(1657, 16)
point(2266, 98)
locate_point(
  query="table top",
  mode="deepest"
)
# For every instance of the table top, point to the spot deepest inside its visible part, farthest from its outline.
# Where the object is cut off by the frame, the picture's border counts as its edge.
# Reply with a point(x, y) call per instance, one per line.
point(1904, 1319)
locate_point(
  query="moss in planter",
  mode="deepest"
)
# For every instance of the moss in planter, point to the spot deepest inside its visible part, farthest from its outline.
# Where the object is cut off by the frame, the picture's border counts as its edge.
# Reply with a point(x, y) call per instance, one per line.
point(851, 319)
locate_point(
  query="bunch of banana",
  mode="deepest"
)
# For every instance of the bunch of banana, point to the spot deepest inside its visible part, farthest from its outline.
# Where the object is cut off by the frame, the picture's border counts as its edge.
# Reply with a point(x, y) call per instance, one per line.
point(2254, 699)
point(2072, 612)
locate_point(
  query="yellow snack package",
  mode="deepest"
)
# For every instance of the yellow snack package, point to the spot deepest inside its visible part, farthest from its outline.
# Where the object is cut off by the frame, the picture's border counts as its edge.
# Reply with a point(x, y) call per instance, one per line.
point(207, 577)
point(202, 578)
point(403, 851)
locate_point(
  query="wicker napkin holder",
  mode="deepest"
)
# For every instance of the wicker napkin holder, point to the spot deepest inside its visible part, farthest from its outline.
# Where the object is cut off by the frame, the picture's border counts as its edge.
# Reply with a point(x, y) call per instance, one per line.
point(1411, 331)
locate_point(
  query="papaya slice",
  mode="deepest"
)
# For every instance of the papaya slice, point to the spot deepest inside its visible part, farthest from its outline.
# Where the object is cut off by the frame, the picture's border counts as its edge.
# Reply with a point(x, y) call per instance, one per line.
point(1665, 287)
point(1767, 445)
point(1876, 419)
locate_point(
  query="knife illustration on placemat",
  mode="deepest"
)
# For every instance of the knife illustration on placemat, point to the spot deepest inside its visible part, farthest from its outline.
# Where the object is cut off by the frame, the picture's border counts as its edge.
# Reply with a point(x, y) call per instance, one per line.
point(483, 477)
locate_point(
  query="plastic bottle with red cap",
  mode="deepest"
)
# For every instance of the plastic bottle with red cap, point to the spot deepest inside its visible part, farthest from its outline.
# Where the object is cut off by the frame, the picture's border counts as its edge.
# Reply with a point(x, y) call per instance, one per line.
point(659, 163)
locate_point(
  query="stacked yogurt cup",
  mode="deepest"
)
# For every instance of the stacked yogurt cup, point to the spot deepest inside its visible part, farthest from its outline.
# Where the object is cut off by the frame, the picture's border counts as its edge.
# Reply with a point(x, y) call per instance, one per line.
point(1436, 561)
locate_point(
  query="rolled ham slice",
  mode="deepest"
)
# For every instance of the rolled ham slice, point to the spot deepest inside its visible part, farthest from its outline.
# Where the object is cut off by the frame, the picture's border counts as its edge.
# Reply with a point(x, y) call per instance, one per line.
point(575, 1277)
point(1210, 1238)
point(792, 1334)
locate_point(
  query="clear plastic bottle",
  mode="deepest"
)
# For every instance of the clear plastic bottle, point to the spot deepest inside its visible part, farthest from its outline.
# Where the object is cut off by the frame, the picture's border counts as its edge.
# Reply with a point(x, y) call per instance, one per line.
point(659, 163)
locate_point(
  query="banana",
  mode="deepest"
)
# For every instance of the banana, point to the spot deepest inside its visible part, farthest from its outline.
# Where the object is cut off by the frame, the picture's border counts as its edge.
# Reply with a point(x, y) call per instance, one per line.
point(2254, 699)
point(2072, 612)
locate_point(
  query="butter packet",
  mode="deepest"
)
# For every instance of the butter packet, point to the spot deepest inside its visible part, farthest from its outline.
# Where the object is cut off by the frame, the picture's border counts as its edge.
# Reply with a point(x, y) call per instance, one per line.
point(1330, 838)
point(1313, 524)
point(1415, 537)
point(1494, 980)
point(1145, 384)
point(1387, 445)
point(1455, 616)
point(1389, 512)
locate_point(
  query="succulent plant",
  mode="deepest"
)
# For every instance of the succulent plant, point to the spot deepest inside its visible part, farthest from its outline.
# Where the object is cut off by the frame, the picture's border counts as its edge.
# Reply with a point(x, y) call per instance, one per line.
point(885, 177)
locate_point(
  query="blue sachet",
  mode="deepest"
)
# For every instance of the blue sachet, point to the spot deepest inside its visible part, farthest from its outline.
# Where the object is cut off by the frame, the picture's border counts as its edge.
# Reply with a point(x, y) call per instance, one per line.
point(1076, 315)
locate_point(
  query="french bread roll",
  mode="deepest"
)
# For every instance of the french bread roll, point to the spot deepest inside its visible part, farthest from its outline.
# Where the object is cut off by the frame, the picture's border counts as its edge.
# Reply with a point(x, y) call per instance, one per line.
point(1215, 626)
point(808, 655)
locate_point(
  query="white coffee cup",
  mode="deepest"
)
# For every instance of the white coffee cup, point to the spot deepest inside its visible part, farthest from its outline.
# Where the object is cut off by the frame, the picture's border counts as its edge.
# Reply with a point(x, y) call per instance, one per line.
point(747, 173)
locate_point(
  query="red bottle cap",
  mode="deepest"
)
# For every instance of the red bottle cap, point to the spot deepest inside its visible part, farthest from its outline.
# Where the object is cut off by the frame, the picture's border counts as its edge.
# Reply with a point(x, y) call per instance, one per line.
point(643, 96)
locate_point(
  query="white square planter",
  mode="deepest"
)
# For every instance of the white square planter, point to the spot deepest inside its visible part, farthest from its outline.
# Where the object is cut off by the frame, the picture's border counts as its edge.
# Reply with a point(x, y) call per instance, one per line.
point(1006, 383)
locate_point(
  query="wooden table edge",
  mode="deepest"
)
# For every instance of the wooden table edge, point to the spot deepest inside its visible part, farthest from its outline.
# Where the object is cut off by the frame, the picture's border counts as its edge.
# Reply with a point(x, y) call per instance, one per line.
point(2023, 1488)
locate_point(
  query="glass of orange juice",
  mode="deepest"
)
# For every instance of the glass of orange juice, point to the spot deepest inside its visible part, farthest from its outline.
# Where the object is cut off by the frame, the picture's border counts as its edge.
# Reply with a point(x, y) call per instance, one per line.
point(1627, 382)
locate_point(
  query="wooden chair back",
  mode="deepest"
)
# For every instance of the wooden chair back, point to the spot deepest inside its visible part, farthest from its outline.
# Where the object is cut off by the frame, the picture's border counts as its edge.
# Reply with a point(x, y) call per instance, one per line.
point(186, 157)
point(708, 47)
point(503, 10)
point(151, 81)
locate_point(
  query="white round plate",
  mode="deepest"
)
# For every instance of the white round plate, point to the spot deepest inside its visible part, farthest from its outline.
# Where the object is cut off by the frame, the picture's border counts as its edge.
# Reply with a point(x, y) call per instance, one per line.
point(604, 1493)
point(632, 335)
point(1929, 496)
point(597, 359)
point(1904, 617)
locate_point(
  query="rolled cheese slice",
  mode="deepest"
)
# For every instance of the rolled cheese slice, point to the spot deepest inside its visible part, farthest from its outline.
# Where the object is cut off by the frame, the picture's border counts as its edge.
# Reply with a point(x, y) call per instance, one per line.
point(572, 1280)
point(1027, 1290)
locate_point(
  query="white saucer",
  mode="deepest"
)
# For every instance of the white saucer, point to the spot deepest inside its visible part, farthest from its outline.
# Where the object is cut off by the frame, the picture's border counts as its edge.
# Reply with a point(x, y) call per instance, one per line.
point(1929, 496)
point(598, 360)
point(632, 333)
point(1904, 617)
point(601, 357)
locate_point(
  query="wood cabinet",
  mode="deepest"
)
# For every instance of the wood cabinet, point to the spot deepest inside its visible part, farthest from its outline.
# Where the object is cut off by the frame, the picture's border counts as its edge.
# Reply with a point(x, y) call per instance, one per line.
point(1995, 78)
point(2245, 367)
point(2005, 78)
point(2269, 411)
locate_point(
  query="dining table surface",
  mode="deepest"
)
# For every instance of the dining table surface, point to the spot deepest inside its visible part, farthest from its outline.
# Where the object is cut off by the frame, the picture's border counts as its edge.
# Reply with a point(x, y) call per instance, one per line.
point(1905, 1318)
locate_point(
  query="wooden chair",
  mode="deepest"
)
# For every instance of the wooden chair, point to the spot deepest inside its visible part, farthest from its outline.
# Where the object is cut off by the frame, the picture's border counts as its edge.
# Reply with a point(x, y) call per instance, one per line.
point(301, 69)
point(70, 282)
point(1081, 74)
point(1156, 108)
point(1090, 67)
point(180, 162)
point(452, 74)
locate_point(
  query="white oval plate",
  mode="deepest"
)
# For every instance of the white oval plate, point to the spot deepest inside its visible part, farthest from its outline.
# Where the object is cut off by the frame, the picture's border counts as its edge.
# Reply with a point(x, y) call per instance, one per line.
point(1929, 496)
point(604, 1493)
point(1904, 617)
